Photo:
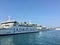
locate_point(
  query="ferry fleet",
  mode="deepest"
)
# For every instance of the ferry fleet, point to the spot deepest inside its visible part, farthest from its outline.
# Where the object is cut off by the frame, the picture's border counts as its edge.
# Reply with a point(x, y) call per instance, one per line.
point(14, 27)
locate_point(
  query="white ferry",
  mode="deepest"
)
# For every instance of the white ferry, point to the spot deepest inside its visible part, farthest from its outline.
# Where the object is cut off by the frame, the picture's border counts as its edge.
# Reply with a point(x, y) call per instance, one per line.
point(14, 27)
point(58, 28)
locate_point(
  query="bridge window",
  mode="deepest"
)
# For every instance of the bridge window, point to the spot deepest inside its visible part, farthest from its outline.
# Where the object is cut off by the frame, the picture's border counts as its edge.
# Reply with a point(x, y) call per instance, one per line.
point(6, 25)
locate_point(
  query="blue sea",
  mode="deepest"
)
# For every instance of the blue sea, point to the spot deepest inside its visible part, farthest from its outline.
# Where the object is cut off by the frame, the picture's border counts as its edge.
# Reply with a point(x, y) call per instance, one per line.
point(40, 38)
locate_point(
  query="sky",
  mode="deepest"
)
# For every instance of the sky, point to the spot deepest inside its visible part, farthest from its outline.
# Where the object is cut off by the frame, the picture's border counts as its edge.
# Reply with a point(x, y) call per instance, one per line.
point(44, 12)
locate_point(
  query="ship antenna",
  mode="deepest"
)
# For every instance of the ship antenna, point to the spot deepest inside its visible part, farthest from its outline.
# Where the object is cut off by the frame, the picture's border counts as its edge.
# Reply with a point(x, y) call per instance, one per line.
point(30, 21)
point(9, 18)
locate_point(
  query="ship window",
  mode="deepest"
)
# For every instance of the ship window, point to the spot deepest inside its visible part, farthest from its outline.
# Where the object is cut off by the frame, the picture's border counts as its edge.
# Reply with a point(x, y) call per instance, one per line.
point(23, 29)
point(14, 29)
point(19, 25)
point(9, 22)
point(6, 25)
point(17, 29)
point(14, 25)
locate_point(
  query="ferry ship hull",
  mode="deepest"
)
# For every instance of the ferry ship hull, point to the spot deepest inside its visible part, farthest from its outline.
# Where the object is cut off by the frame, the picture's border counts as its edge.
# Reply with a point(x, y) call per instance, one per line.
point(12, 32)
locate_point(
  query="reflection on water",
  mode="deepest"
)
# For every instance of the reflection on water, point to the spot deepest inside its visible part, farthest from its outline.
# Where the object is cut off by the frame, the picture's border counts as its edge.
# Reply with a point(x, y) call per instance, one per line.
point(6, 40)
point(41, 38)
point(20, 39)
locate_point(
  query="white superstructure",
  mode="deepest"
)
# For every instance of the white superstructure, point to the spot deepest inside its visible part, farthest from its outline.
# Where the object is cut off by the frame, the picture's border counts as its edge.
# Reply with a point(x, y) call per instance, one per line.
point(13, 27)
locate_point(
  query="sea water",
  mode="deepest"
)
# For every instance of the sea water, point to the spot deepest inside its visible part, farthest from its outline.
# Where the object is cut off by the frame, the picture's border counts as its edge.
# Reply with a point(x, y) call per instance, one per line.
point(40, 38)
